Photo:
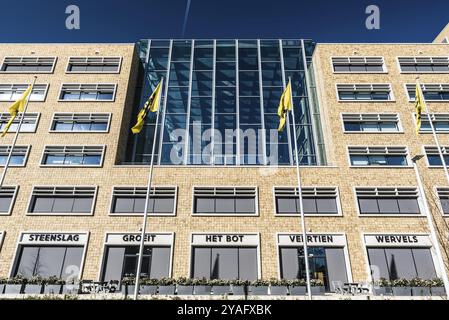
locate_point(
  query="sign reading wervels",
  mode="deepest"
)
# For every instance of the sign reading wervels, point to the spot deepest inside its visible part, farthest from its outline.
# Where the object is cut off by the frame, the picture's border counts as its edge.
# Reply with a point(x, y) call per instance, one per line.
point(135, 238)
point(225, 239)
point(398, 240)
point(312, 239)
point(53, 238)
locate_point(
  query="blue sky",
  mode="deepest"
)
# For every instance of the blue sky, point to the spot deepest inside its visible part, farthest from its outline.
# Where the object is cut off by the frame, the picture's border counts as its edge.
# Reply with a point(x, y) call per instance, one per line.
point(130, 20)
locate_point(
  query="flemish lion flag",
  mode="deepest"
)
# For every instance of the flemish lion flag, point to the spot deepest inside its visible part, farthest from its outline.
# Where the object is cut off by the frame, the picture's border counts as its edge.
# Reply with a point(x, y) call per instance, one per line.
point(285, 105)
point(17, 107)
point(419, 104)
point(152, 105)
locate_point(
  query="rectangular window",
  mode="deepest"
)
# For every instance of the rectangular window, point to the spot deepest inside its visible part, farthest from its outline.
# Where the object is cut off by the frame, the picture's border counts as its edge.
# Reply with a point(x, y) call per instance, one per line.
point(62, 200)
point(28, 64)
point(424, 64)
point(29, 123)
point(224, 263)
point(7, 196)
point(440, 122)
point(388, 201)
point(18, 157)
point(443, 195)
point(73, 156)
point(358, 64)
point(80, 122)
point(317, 200)
point(364, 92)
point(87, 92)
point(378, 156)
point(225, 200)
point(401, 263)
point(47, 261)
point(94, 65)
point(433, 156)
point(12, 92)
point(371, 122)
point(131, 200)
point(432, 92)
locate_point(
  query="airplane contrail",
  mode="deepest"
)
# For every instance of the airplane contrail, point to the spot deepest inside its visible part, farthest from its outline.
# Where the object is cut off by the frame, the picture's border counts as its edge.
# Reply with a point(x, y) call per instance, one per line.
point(186, 16)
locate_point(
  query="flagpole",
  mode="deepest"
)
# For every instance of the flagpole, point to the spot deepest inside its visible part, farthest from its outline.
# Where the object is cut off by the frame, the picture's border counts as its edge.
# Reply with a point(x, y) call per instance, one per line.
point(301, 207)
point(147, 199)
point(8, 159)
point(428, 213)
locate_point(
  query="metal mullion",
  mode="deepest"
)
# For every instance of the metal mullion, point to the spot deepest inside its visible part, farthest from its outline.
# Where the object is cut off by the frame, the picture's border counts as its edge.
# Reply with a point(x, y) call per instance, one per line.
point(290, 151)
point(262, 117)
point(237, 105)
point(189, 102)
point(167, 77)
point(214, 79)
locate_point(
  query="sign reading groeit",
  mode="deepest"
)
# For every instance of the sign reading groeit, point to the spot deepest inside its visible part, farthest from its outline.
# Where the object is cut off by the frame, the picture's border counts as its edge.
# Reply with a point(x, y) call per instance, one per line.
point(161, 239)
point(313, 239)
point(54, 238)
point(397, 240)
point(225, 239)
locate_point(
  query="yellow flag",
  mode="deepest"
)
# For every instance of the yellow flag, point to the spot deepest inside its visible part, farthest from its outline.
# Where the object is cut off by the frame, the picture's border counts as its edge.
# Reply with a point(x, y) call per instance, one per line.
point(419, 104)
point(152, 105)
point(17, 106)
point(285, 105)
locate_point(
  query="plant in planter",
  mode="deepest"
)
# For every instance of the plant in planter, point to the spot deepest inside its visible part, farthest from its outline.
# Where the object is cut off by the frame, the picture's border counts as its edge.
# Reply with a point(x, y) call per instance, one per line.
point(420, 287)
point(220, 286)
point(401, 287)
point(166, 286)
point(317, 287)
point(148, 286)
point(53, 285)
point(34, 285)
point(15, 285)
point(278, 287)
point(184, 286)
point(259, 287)
point(436, 287)
point(3, 282)
point(202, 286)
point(297, 287)
point(239, 287)
point(382, 287)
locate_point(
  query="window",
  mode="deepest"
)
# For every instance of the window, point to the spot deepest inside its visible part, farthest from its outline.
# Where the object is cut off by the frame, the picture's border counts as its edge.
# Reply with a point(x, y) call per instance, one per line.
point(443, 195)
point(94, 65)
point(371, 122)
point(424, 64)
point(432, 92)
point(121, 261)
point(62, 200)
point(326, 264)
point(87, 92)
point(7, 196)
point(80, 122)
point(378, 156)
point(47, 261)
point(224, 200)
point(433, 156)
point(131, 200)
point(358, 64)
point(18, 157)
point(29, 123)
point(440, 122)
point(364, 92)
point(388, 201)
point(317, 200)
point(70, 156)
point(401, 263)
point(12, 92)
point(28, 64)
point(224, 263)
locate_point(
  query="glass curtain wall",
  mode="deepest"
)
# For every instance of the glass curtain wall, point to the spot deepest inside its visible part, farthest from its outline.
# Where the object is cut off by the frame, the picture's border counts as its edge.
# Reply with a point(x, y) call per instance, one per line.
point(220, 101)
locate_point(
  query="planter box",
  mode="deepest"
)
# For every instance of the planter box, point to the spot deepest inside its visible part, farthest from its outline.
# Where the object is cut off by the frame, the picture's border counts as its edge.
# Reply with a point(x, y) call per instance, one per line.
point(13, 288)
point(148, 289)
point(221, 290)
point(52, 288)
point(259, 290)
point(437, 291)
point(421, 291)
point(239, 290)
point(184, 290)
point(402, 291)
point(70, 289)
point(33, 289)
point(128, 289)
point(297, 290)
point(166, 289)
point(202, 290)
point(2, 287)
point(382, 291)
point(279, 290)
point(318, 290)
